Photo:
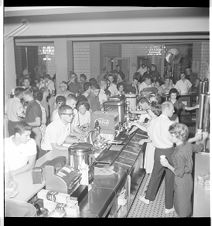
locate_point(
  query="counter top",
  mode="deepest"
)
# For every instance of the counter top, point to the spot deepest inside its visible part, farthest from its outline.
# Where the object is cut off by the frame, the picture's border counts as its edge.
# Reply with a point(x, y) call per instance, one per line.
point(104, 189)
point(24, 180)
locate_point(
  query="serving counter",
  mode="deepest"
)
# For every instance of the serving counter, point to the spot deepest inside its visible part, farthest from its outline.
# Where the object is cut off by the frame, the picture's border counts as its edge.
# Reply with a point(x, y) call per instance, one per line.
point(126, 157)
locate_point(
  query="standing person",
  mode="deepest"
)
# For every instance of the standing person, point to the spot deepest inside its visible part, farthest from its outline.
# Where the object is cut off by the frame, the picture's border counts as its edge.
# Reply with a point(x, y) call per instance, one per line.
point(49, 84)
point(161, 139)
point(83, 79)
point(183, 85)
point(73, 84)
point(181, 166)
point(141, 69)
point(178, 105)
point(33, 115)
point(120, 74)
point(44, 102)
point(26, 82)
point(14, 110)
point(93, 98)
point(165, 88)
point(155, 75)
point(60, 100)
point(147, 83)
point(112, 86)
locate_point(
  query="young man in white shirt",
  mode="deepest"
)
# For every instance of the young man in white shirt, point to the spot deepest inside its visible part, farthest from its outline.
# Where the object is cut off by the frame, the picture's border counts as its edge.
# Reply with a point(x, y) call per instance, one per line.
point(147, 83)
point(161, 139)
point(183, 85)
point(14, 110)
point(20, 150)
point(58, 132)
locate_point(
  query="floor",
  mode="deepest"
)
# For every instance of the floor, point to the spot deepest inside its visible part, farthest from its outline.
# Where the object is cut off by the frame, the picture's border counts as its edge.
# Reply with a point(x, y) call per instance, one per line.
point(154, 209)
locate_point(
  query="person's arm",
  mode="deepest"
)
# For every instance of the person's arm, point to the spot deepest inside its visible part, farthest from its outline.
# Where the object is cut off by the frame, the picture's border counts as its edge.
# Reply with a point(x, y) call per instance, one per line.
point(191, 108)
point(30, 165)
point(58, 147)
point(36, 123)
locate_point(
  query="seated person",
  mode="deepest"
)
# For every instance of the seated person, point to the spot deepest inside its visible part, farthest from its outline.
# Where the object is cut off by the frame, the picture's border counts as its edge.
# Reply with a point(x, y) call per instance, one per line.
point(165, 88)
point(83, 118)
point(147, 83)
point(112, 86)
point(93, 98)
point(58, 132)
point(178, 105)
point(20, 150)
point(183, 85)
point(60, 100)
point(120, 87)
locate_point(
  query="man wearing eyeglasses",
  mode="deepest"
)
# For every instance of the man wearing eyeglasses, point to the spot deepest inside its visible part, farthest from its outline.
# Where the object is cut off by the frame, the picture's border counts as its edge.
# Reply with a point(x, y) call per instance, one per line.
point(58, 132)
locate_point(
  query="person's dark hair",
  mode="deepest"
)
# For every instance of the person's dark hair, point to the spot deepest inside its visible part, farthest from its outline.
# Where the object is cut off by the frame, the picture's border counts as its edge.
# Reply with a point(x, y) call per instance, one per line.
point(147, 77)
point(28, 92)
point(60, 99)
point(71, 97)
point(93, 81)
point(18, 91)
point(38, 95)
point(81, 98)
point(180, 130)
point(83, 76)
point(107, 92)
point(95, 86)
point(64, 82)
point(21, 127)
point(120, 84)
point(47, 76)
point(143, 100)
point(85, 103)
point(63, 108)
point(86, 86)
point(136, 76)
point(173, 90)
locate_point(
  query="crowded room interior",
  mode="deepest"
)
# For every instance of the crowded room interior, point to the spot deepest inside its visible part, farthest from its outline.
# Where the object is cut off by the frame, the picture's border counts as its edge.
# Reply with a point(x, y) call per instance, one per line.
point(106, 112)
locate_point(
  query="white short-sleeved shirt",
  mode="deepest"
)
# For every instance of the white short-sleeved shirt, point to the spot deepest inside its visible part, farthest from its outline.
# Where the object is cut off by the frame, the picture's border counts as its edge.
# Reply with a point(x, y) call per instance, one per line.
point(14, 108)
point(55, 115)
point(17, 156)
point(143, 85)
point(102, 96)
point(83, 119)
point(158, 131)
point(183, 86)
point(56, 132)
point(113, 89)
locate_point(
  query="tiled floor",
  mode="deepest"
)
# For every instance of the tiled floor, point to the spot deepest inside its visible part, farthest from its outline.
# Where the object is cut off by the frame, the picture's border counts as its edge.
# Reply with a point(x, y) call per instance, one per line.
point(154, 209)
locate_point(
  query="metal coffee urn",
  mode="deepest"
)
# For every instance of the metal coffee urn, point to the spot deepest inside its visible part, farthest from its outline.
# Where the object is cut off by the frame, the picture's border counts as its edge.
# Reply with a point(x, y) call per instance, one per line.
point(203, 117)
point(117, 105)
point(80, 153)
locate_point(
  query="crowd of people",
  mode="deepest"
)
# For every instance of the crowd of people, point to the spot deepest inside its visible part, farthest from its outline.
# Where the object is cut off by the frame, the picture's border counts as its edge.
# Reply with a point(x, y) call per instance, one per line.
point(58, 118)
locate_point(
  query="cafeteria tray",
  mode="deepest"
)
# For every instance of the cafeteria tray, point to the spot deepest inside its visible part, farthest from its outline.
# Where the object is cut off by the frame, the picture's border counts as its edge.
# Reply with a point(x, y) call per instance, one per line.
point(132, 150)
point(125, 161)
point(128, 155)
point(115, 147)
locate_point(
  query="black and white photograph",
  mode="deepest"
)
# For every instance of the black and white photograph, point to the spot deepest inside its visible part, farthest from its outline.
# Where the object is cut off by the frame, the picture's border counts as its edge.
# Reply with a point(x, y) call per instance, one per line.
point(106, 112)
